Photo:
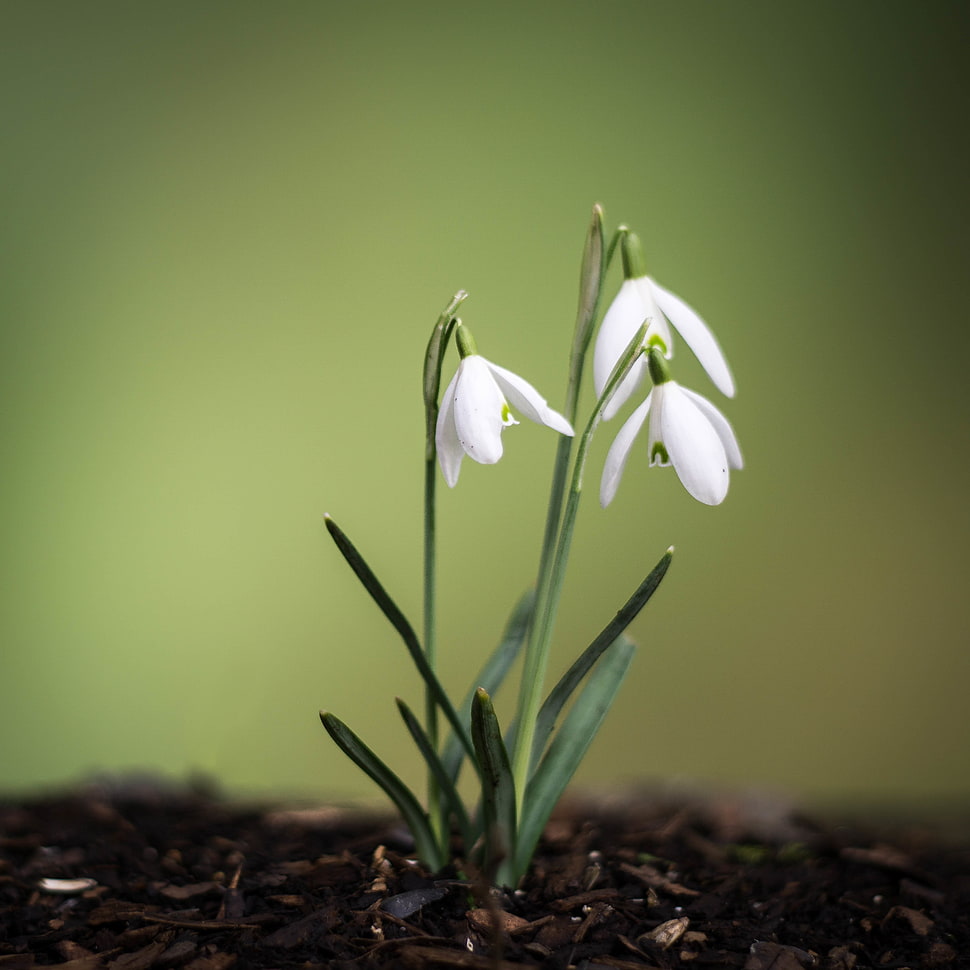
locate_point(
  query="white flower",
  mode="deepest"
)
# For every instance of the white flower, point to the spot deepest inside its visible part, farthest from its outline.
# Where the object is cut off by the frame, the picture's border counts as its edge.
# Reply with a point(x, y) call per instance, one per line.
point(685, 430)
point(640, 299)
point(475, 409)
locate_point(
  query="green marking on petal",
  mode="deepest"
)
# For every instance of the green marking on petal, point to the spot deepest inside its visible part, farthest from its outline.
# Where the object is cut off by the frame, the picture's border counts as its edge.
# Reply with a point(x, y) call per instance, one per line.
point(506, 414)
point(657, 341)
point(659, 454)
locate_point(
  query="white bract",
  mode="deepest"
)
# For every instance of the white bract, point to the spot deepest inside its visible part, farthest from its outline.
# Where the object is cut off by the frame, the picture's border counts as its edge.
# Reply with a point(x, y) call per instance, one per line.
point(475, 410)
point(641, 299)
point(685, 430)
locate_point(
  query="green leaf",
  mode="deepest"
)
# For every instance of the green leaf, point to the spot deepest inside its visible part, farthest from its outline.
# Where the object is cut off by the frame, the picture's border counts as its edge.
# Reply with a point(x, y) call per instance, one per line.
point(445, 783)
point(569, 746)
point(390, 609)
point(393, 787)
point(498, 789)
point(492, 675)
point(560, 694)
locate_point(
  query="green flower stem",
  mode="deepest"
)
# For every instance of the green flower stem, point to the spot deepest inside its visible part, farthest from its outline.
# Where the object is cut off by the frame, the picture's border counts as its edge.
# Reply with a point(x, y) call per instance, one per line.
point(431, 385)
point(436, 816)
point(550, 586)
point(592, 272)
point(618, 236)
point(433, 360)
point(591, 275)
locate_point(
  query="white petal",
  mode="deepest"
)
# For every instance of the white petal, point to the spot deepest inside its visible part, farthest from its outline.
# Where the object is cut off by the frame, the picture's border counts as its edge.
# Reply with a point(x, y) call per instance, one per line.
point(721, 426)
point(480, 411)
point(658, 456)
point(694, 446)
point(697, 335)
point(652, 312)
point(619, 451)
point(449, 449)
point(621, 322)
point(525, 398)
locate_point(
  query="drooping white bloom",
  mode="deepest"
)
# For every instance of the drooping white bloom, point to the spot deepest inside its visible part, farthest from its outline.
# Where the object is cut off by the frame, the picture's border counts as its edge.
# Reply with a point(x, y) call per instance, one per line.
point(475, 410)
point(641, 299)
point(684, 430)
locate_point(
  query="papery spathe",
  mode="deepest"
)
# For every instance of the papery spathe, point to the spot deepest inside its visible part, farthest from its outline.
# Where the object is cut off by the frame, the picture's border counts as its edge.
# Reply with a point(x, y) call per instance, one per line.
point(475, 410)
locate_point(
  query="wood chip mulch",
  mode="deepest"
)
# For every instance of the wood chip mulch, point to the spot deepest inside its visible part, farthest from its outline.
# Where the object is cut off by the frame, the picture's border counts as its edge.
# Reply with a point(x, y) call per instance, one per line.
point(132, 878)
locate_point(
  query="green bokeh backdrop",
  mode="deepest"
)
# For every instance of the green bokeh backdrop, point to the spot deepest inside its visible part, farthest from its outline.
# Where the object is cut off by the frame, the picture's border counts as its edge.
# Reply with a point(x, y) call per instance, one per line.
point(227, 229)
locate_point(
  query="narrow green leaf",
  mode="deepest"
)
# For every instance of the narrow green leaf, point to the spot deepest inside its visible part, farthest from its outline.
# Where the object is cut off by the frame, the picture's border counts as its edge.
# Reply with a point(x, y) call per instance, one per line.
point(393, 787)
point(445, 783)
point(560, 694)
point(498, 790)
point(398, 620)
point(492, 675)
point(569, 746)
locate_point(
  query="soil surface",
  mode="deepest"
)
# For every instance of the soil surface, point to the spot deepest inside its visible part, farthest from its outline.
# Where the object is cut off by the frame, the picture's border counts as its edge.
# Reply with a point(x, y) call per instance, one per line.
point(131, 878)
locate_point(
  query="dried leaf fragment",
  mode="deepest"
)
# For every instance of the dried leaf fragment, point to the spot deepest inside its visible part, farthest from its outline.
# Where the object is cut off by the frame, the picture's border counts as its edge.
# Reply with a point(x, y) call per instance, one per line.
point(919, 922)
point(666, 934)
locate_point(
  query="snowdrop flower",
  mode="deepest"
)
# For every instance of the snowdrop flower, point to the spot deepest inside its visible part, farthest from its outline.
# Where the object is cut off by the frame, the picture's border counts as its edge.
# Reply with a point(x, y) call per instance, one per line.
point(475, 410)
point(640, 299)
point(684, 430)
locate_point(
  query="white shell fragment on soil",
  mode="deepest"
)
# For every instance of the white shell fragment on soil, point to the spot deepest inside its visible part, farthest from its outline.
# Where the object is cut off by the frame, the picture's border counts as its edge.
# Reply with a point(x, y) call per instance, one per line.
point(66, 887)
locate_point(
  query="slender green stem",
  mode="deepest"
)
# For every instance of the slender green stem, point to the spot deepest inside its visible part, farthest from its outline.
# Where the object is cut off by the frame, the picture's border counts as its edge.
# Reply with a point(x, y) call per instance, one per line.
point(592, 272)
point(431, 385)
point(590, 288)
point(435, 810)
point(591, 275)
point(621, 231)
point(550, 585)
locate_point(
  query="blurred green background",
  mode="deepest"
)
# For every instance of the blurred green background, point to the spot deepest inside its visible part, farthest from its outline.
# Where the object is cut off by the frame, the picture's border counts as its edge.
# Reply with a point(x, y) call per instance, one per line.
point(227, 230)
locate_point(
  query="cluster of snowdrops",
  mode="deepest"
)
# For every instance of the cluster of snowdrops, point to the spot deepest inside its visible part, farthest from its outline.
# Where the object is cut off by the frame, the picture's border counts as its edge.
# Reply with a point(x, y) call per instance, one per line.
point(522, 770)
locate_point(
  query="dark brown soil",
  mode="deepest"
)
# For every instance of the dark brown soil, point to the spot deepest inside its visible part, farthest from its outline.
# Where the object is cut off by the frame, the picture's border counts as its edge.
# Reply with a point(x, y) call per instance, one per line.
point(183, 880)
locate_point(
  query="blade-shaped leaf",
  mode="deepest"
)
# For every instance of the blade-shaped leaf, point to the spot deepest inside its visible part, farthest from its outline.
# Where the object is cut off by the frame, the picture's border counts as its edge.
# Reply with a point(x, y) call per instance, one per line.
point(498, 789)
point(398, 620)
point(393, 787)
point(445, 784)
point(492, 675)
point(569, 746)
point(560, 694)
